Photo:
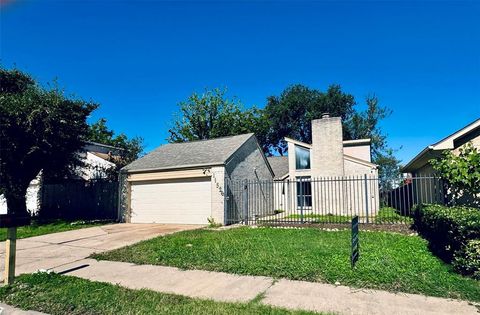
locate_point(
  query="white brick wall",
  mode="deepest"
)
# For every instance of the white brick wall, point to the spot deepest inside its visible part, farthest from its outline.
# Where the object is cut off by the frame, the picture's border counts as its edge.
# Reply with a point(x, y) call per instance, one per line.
point(218, 191)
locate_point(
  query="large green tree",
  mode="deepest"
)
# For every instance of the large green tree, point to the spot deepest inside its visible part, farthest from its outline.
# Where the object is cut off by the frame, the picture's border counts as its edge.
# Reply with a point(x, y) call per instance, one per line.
point(212, 115)
point(366, 124)
point(290, 113)
point(130, 149)
point(39, 129)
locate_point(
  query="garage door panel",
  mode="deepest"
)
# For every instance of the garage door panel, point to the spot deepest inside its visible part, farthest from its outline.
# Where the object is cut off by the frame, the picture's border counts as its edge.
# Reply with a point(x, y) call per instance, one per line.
point(186, 201)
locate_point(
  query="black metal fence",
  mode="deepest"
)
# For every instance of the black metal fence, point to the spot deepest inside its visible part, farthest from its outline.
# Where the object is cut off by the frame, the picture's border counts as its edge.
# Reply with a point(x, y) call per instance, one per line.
point(79, 200)
point(334, 200)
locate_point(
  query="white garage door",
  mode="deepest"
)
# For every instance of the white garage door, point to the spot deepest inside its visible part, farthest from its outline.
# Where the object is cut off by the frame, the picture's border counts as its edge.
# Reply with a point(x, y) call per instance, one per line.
point(185, 201)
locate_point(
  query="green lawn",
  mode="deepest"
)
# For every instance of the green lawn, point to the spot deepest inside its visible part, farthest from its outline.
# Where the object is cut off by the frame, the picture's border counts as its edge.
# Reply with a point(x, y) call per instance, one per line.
point(319, 218)
point(36, 229)
point(384, 216)
point(390, 215)
point(388, 261)
point(55, 294)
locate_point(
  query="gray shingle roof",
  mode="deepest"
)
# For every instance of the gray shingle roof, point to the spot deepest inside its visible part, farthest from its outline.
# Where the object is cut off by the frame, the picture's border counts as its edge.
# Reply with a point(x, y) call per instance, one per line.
point(279, 165)
point(194, 153)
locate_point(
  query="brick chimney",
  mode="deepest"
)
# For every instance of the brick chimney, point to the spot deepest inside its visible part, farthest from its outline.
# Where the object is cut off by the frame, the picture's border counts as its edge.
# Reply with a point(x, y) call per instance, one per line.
point(327, 147)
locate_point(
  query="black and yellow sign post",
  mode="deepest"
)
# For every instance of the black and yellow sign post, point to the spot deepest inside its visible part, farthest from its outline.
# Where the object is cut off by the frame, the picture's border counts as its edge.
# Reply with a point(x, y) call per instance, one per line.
point(11, 222)
point(355, 246)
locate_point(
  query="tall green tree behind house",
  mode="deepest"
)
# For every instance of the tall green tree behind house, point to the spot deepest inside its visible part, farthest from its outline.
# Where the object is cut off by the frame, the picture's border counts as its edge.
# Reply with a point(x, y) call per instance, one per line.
point(290, 114)
point(212, 115)
point(39, 129)
point(366, 124)
point(130, 148)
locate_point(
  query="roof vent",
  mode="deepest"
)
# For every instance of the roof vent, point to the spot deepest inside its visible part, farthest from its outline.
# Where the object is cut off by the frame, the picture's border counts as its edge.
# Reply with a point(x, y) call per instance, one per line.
point(325, 115)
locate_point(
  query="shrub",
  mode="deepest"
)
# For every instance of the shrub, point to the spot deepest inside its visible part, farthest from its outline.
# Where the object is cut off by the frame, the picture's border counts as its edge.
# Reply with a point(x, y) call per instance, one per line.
point(467, 260)
point(448, 229)
point(461, 173)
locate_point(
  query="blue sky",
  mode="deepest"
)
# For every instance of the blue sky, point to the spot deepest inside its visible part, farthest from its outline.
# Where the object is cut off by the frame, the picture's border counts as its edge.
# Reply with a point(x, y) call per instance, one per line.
point(138, 60)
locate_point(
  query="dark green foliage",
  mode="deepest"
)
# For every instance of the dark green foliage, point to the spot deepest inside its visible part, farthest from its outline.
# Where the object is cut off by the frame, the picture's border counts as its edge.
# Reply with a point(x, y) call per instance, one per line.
point(213, 115)
point(461, 173)
point(448, 229)
point(366, 124)
point(467, 260)
point(130, 149)
point(290, 113)
point(388, 261)
point(39, 129)
point(59, 295)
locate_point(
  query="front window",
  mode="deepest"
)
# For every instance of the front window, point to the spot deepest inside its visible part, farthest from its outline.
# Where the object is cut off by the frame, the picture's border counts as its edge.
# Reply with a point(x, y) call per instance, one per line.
point(302, 158)
point(304, 191)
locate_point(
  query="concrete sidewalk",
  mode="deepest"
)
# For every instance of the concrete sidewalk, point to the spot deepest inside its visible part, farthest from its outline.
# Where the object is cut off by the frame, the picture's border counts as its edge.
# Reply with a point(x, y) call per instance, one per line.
point(10, 310)
point(53, 250)
point(283, 293)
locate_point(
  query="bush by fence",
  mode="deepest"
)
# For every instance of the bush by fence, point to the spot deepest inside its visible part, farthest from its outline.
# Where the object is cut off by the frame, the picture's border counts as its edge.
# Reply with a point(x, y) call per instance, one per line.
point(467, 260)
point(450, 230)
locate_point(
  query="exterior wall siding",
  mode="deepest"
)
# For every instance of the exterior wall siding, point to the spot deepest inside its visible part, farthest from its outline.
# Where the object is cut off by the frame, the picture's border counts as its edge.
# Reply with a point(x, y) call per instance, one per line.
point(218, 193)
point(327, 147)
point(248, 163)
point(353, 168)
point(359, 152)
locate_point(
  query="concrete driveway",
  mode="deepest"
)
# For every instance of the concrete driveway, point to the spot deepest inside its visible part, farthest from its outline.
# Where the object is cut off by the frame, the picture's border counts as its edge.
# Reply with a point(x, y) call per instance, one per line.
point(57, 249)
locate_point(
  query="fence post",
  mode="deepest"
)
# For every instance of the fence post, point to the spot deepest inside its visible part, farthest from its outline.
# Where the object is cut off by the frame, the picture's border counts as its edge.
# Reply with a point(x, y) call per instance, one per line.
point(366, 196)
point(120, 186)
point(245, 202)
point(302, 200)
point(10, 254)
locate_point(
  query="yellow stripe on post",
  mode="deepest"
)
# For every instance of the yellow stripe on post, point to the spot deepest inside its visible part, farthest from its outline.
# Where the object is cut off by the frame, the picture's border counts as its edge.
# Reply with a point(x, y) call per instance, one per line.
point(11, 245)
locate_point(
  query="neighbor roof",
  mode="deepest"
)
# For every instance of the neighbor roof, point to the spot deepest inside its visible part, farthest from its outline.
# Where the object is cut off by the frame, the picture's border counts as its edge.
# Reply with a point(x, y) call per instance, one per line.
point(434, 150)
point(190, 154)
point(279, 165)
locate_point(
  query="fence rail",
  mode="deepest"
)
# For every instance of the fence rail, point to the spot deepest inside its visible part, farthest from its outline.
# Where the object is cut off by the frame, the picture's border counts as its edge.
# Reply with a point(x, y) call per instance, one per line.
point(334, 200)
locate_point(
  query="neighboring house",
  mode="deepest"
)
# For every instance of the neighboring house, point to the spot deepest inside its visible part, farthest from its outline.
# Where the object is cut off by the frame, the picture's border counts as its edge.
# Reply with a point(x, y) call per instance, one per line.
point(327, 175)
point(95, 157)
point(420, 166)
point(185, 182)
point(422, 186)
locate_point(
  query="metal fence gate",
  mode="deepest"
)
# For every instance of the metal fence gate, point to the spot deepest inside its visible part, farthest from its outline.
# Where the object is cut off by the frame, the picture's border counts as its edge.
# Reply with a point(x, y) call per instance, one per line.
point(330, 200)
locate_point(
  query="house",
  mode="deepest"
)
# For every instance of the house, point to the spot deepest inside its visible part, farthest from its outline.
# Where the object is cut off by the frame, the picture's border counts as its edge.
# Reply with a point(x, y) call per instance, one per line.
point(329, 175)
point(230, 180)
point(421, 184)
point(420, 166)
point(95, 158)
point(185, 182)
